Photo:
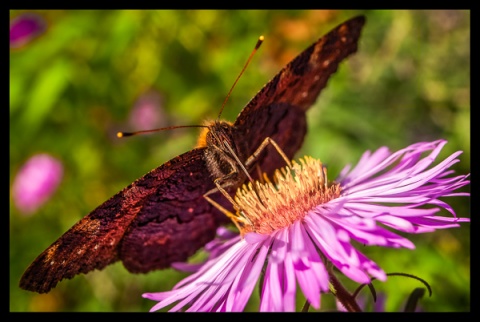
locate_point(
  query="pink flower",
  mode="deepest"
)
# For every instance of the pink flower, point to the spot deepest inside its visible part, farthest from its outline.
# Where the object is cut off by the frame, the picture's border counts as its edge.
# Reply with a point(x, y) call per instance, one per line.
point(304, 224)
point(36, 181)
point(24, 28)
point(147, 113)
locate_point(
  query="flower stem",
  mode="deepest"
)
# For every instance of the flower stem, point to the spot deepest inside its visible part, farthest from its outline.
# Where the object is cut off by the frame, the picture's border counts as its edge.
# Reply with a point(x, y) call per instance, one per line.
point(343, 296)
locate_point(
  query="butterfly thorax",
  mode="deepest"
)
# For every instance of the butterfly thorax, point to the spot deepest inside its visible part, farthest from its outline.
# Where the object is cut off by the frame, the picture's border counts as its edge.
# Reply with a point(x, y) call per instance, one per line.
point(223, 152)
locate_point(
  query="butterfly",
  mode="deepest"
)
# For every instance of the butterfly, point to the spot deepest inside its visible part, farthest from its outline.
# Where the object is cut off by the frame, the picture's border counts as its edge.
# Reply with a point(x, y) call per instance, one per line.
point(163, 216)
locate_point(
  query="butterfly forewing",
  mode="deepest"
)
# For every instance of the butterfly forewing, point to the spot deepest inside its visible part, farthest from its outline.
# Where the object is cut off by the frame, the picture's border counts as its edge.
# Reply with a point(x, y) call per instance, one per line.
point(279, 107)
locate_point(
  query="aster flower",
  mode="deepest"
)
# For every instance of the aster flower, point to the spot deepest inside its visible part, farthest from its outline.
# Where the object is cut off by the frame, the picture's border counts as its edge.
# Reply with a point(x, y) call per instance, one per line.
point(293, 231)
point(35, 182)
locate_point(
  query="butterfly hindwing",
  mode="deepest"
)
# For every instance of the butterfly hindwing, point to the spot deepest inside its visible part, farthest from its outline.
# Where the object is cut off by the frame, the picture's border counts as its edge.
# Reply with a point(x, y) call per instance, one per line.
point(151, 204)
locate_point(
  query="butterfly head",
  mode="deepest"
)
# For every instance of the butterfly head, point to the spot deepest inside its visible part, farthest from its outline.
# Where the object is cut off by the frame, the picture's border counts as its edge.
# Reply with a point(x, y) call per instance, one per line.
point(216, 133)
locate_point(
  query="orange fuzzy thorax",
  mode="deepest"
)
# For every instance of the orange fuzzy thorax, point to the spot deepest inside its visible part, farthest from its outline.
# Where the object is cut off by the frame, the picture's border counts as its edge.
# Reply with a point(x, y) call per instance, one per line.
point(202, 138)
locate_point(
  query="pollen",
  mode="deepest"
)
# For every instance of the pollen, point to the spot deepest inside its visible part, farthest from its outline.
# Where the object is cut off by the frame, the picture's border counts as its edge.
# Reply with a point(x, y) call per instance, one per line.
point(293, 193)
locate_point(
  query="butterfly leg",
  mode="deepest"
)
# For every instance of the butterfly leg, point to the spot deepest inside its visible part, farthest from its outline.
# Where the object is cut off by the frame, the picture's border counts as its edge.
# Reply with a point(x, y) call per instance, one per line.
point(221, 188)
point(262, 147)
point(238, 221)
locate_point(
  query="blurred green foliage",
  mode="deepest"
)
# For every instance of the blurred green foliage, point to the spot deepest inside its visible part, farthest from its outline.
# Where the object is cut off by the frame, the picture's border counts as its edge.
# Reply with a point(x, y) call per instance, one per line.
point(73, 88)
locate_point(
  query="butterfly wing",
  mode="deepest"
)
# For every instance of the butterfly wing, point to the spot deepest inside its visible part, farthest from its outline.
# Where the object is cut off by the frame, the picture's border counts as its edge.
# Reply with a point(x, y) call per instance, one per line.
point(279, 107)
point(138, 225)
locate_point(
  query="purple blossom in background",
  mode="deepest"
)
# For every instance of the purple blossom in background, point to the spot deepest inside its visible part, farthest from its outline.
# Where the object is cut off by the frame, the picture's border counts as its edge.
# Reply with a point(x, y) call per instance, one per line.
point(24, 28)
point(35, 182)
point(147, 113)
point(313, 221)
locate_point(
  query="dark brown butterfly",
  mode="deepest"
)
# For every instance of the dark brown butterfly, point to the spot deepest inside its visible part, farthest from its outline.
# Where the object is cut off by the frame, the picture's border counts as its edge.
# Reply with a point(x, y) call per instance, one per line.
point(163, 217)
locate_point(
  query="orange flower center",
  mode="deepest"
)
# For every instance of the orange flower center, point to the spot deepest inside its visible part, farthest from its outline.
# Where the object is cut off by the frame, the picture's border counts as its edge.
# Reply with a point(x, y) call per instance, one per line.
point(295, 191)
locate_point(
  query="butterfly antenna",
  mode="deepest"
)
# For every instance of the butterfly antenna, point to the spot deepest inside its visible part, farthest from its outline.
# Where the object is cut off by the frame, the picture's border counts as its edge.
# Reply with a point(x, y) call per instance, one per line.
point(259, 42)
point(124, 134)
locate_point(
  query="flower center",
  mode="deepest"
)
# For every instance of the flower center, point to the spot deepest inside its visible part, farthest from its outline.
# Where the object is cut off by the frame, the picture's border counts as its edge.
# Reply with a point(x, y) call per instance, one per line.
point(272, 206)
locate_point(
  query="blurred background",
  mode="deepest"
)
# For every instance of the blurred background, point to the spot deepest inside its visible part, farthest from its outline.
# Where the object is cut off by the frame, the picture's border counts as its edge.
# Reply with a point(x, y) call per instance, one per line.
point(78, 77)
